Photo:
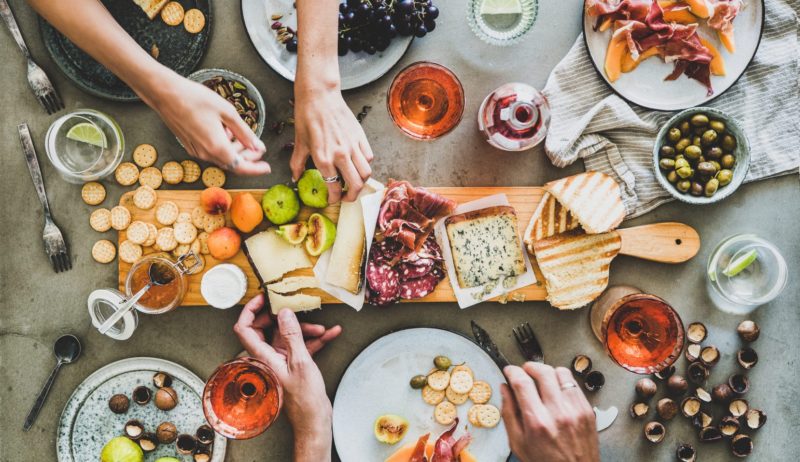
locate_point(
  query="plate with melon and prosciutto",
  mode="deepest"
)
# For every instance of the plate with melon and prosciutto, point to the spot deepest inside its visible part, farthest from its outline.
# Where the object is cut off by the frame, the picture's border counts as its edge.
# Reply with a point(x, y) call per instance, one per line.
point(670, 55)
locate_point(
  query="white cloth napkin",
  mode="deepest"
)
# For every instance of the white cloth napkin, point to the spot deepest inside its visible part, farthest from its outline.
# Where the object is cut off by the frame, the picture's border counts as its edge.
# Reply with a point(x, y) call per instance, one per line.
point(590, 122)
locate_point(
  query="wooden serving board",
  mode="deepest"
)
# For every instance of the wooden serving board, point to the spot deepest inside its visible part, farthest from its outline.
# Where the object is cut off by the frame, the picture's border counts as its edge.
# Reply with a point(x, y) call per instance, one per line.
point(523, 199)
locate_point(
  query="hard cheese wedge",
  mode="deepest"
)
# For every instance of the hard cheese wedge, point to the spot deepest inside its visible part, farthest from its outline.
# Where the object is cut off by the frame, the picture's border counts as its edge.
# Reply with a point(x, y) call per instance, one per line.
point(347, 255)
point(272, 257)
point(286, 294)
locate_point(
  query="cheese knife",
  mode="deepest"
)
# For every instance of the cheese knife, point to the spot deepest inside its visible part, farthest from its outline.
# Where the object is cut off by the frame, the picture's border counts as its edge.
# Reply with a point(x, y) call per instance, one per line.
point(486, 343)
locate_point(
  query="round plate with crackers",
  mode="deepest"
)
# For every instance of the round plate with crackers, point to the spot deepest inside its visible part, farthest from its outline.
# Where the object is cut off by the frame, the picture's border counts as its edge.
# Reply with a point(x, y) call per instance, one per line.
point(377, 383)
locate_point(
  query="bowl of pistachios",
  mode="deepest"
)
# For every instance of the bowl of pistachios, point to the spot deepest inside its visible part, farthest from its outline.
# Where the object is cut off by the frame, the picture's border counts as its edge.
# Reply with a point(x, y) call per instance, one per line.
point(238, 91)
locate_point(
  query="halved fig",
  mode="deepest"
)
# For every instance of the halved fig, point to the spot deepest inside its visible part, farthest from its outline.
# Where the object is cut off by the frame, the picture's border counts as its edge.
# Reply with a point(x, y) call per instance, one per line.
point(390, 428)
point(294, 233)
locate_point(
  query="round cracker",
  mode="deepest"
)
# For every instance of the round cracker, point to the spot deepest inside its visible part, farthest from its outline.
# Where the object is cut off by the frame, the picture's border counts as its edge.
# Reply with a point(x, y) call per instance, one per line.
point(151, 177)
point(191, 171)
point(445, 413)
point(152, 233)
point(212, 223)
point(488, 416)
point(194, 21)
point(130, 252)
point(165, 239)
point(439, 380)
point(145, 197)
point(126, 173)
point(481, 392)
point(472, 415)
point(213, 176)
point(185, 248)
point(100, 220)
point(198, 217)
point(172, 172)
point(167, 212)
point(93, 193)
point(185, 233)
point(431, 396)
point(172, 13)
point(463, 367)
point(202, 238)
point(103, 251)
point(454, 397)
point(461, 382)
point(120, 218)
point(138, 232)
point(184, 217)
point(145, 155)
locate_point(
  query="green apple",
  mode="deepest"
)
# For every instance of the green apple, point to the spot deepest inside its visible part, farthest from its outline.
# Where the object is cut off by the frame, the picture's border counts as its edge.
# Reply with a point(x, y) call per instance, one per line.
point(313, 189)
point(321, 234)
point(280, 204)
point(121, 449)
point(294, 233)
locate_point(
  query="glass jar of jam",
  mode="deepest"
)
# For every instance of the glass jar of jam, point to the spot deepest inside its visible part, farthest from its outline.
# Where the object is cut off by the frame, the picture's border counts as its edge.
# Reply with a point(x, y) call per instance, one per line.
point(165, 297)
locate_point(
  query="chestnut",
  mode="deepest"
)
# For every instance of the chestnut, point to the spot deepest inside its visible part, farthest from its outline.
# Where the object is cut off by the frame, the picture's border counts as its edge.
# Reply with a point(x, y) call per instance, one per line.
point(666, 408)
point(665, 373)
point(581, 365)
point(709, 355)
point(697, 372)
point(162, 379)
point(696, 332)
point(686, 453)
point(709, 434)
point(119, 404)
point(738, 407)
point(204, 434)
point(702, 395)
point(655, 432)
point(755, 419)
point(691, 406)
point(741, 445)
point(594, 381)
point(739, 383)
point(693, 352)
point(142, 395)
point(702, 419)
point(148, 442)
point(166, 398)
point(677, 385)
point(639, 410)
point(202, 454)
point(646, 388)
point(166, 432)
point(185, 444)
point(747, 358)
point(748, 331)
point(133, 429)
point(729, 426)
point(722, 393)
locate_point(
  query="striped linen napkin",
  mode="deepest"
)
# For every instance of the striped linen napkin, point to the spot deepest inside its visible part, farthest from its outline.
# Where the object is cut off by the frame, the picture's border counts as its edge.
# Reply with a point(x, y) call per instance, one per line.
point(590, 122)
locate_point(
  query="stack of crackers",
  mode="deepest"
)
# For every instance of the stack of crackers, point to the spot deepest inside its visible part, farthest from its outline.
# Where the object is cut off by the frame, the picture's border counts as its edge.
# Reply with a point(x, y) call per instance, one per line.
point(448, 389)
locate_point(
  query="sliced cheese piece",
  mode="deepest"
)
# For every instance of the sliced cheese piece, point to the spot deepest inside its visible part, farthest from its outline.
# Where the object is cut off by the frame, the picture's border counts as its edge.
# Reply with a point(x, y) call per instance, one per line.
point(291, 284)
point(272, 257)
point(347, 255)
point(296, 302)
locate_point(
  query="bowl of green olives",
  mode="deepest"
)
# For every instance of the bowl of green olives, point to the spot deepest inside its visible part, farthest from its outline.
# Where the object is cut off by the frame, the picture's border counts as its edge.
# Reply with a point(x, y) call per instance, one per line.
point(701, 155)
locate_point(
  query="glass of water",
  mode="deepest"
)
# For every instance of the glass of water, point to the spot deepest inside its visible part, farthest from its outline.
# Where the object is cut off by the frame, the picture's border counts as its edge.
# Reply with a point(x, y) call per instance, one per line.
point(745, 272)
point(92, 151)
point(501, 22)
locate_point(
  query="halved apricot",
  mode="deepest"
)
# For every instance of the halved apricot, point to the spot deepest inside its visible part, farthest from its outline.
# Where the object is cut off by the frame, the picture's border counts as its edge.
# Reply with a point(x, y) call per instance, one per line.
point(717, 62)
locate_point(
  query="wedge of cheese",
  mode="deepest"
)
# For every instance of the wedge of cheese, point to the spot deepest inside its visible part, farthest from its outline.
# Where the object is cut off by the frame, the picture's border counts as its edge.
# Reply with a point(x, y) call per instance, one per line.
point(348, 252)
point(594, 198)
point(286, 294)
point(151, 7)
point(291, 284)
point(271, 256)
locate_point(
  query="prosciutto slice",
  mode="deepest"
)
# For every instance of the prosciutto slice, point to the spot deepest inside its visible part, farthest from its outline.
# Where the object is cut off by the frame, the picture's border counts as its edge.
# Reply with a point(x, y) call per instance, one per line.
point(447, 448)
point(617, 10)
point(725, 12)
point(419, 450)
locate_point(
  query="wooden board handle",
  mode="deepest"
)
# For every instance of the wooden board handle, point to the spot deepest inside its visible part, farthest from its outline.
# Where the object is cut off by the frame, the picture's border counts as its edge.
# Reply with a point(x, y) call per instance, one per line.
point(661, 242)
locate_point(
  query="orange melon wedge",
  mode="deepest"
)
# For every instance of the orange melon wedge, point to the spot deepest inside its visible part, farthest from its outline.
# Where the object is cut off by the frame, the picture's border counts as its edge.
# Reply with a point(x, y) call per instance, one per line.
point(404, 454)
point(605, 25)
point(728, 40)
point(629, 64)
point(617, 48)
point(700, 8)
point(717, 62)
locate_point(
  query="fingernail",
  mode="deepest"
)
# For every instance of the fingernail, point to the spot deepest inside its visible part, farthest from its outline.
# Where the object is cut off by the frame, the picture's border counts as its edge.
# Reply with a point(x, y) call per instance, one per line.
point(260, 145)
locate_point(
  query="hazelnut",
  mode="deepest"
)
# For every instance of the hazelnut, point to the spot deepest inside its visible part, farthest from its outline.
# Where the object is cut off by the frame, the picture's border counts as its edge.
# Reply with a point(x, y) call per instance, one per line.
point(741, 445)
point(738, 407)
point(696, 332)
point(722, 393)
point(142, 395)
point(666, 408)
point(665, 373)
point(166, 432)
point(162, 379)
point(709, 355)
point(677, 385)
point(639, 410)
point(119, 404)
point(739, 383)
point(748, 331)
point(581, 365)
point(594, 381)
point(702, 419)
point(709, 434)
point(202, 455)
point(654, 432)
point(755, 419)
point(204, 434)
point(691, 406)
point(185, 444)
point(747, 358)
point(148, 442)
point(729, 426)
point(133, 429)
point(693, 352)
point(686, 453)
point(166, 398)
point(646, 388)
point(702, 395)
point(697, 372)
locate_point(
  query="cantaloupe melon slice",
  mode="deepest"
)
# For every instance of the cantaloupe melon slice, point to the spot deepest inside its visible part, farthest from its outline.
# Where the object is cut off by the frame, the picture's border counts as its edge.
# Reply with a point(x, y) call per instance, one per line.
point(728, 40)
point(679, 15)
point(717, 62)
point(629, 64)
point(617, 48)
point(605, 24)
point(699, 8)
point(404, 454)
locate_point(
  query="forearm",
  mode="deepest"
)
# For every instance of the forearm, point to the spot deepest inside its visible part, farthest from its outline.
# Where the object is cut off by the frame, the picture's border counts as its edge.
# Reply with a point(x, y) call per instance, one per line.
point(317, 56)
point(314, 443)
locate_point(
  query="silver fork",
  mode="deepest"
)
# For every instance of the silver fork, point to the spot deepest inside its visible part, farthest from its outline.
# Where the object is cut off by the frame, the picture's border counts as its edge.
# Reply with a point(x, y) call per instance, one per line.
point(54, 243)
point(40, 84)
point(528, 344)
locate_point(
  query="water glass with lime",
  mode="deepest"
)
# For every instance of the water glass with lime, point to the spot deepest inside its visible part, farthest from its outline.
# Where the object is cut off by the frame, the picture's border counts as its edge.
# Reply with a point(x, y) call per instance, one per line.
point(502, 22)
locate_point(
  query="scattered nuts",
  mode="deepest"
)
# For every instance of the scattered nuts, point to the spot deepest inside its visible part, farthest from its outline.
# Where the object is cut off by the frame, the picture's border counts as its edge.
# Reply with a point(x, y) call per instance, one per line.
point(693, 352)
point(738, 407)
point(119, 404)
point(709, 434)
point(133, 429)
point(729, 426)
point(677, 385)
point(686, 453)
point(166, 398)
point(702, 395)
point(691, 406)
point(702, 419)
point(581, 365)
point(755, 419)
point(594, 381)
point(696, 332)
point(646, 388)
point(665, 373)
point(698, 372)
point(162, 379)
point(722, 393)
point(741, 445)
point(202, 455)
point(748, 331)
point(666, 408)
point(654, 432)
point(186, 444)
point(142, 395)
point(166, 432)
point(236, 93)
point(639, 410)
point(747, 358)
point(709, 355)
point(205, 434)
point(739, 383)
point(148, 442)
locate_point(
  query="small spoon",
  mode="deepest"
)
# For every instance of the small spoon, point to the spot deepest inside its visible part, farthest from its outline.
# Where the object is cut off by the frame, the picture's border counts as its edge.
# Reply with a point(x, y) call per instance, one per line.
point(67, 350)
point(159, 275)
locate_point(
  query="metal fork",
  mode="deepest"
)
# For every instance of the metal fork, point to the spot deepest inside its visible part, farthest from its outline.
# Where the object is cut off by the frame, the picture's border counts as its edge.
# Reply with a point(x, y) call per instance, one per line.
point(528, 344)
point(54, 243)
point(40, 84)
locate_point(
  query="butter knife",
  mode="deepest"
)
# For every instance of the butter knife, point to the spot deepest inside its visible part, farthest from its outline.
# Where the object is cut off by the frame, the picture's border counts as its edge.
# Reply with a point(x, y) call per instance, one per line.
point(486, 343)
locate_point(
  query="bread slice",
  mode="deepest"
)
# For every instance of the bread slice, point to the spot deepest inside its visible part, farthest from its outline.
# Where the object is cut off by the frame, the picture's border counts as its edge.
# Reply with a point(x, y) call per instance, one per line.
point(575, 266)
point(296, 302)
point(485, 245)
point(349, 249)
point(594, 198)
point(151, 7)
point(549, 219)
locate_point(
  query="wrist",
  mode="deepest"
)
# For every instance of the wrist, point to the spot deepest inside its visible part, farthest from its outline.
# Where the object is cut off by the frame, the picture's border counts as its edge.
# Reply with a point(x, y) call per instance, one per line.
point(313, 438)
point(156, 85)
point(323, 82)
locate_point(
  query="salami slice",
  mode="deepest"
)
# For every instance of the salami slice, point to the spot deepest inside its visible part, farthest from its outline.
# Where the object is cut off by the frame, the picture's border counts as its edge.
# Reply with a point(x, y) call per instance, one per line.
point(415, 269)
point(383, 279)
point(374, 298)
point(385, 251)
point(419, 287)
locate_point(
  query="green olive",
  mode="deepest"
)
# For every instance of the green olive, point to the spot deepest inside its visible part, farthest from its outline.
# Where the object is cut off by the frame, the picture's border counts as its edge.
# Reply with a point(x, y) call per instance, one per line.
point(685, 128)
point(699, 120)
point(711, 187)
point(680, 156)
point(706, 168)
point(724, 177)
point(672, 177)
point(680, 163)
point(693, 152)
point(697, 189)
point(442, 363)
point(685, 172)
point(717, 166)
point(701, 159)
point(674, 134)
point(667, 151)
point(728, 143)
point(666, 164)
point(697, 141)
point(714, 153)
point(709, 137)
point(698, 130)
point(727, 161)
point(418, 382)
point(683, 185)
point(682, 144)
point(718, 126)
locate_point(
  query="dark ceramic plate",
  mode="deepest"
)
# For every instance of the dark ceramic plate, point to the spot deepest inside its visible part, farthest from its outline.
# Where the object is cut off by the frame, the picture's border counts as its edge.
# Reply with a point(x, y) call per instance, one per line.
point(178, 49)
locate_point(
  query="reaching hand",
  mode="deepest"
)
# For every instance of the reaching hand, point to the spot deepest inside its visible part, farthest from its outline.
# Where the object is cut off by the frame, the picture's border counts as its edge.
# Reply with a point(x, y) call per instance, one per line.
point(547, 417)
point(327, 130)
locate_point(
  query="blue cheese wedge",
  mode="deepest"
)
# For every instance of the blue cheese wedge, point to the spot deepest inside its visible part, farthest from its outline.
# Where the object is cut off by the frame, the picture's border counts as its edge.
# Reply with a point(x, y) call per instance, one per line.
point(485, 246)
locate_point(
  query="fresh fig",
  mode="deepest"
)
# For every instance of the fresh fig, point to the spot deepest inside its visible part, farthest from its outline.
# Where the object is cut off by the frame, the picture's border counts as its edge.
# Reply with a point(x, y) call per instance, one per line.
point(321, 234)
point(390, 428)
point(294, 233)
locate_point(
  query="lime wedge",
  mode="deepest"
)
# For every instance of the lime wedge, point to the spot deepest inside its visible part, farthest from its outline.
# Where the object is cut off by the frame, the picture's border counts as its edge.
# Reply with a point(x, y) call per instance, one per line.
point(740, 263)
point(86, 132)
point(495, 7)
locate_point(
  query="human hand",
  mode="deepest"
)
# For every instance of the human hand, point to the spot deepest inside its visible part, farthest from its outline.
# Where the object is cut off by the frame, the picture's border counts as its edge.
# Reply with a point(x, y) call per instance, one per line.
point(207, 125)
point(547, 419)
point(327, 130)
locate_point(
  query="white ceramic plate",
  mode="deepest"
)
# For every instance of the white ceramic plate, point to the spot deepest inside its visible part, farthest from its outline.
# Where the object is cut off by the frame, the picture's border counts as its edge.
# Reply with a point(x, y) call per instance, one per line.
point(356, 69)
point(646, 86)
point(377, 383)
point(86, 423)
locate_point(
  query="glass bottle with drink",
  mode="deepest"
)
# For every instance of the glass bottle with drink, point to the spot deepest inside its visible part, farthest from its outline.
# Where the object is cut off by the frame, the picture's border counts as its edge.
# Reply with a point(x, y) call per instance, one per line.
point(514, 117)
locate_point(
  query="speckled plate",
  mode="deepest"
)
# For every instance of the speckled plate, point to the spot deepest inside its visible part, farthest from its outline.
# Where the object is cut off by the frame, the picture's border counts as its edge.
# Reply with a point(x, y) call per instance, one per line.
point(86, 423)
point(356, 69)
point(376, 383)
point(178, 49)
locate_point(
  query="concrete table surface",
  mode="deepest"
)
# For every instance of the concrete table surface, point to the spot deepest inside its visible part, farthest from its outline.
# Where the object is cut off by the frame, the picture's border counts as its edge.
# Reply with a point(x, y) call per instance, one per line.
point(38, 305)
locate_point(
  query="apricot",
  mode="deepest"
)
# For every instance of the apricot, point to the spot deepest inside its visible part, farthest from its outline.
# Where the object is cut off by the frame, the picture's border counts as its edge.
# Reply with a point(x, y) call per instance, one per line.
point(699, 8)
point(728, 40)
point(717, 62)
point(617, 48)
point(404, 454)
point(224, 243)
point(215, 201)
point(246, 212)
point(629, 64)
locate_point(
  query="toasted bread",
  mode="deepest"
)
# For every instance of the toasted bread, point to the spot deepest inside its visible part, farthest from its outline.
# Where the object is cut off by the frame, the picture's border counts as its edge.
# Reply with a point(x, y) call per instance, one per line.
point(151, 7)
point(594, 198)
point(349, 249)
point(575, 266)
point(549, 219)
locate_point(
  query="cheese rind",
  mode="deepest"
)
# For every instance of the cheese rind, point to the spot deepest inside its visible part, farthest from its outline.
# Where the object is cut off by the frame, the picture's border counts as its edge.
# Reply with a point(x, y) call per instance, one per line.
point(272, 257)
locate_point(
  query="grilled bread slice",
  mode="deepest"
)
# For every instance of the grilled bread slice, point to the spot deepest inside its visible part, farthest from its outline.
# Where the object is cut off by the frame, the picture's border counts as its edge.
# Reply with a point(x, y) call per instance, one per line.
point(151, 7)
point(575, 266)
point(349, 249)
point(594, 198)
point(485, 245)
point(549, 219)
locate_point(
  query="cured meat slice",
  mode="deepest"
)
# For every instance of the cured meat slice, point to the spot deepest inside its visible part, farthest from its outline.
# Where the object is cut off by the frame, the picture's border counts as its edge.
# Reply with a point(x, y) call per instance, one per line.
point(415, 269)
point(386, 251)
point(383, 279)
point(447, 448)
point(419, 287)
